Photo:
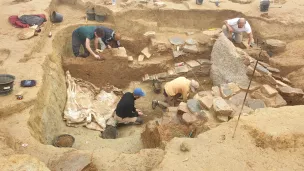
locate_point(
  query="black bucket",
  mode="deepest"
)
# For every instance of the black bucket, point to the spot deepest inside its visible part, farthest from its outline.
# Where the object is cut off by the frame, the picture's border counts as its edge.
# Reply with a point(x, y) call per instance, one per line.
point(100, 17)
point(264, 6)
point(6, 83)
point(56, 17)
point(91, 14)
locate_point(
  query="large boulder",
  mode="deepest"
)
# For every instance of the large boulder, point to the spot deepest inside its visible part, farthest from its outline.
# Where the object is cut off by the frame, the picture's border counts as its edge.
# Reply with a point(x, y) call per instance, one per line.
point(297, 78)
point(275, 46)
point(228, 65)
point(293, 96)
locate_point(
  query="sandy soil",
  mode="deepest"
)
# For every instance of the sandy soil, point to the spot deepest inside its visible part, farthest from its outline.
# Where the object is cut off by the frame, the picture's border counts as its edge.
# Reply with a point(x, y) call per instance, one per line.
point(35, 59)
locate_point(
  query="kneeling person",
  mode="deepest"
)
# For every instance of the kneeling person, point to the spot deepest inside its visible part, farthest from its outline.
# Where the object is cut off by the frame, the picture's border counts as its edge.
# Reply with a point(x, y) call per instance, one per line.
point(126, 112)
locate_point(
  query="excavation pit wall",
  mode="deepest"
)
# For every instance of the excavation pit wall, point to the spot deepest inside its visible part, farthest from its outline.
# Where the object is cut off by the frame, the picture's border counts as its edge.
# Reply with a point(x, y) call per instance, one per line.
point(45, 120)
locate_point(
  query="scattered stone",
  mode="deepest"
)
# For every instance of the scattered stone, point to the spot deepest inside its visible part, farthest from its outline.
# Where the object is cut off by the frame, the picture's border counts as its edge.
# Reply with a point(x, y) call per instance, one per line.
point(189, 118)
point(190, 49)
point(253, 86)
point(74, 160)
point(227, 64)
point(150, 34)
point(255, 53)
point(221, 107)
point(261, 69)
point(203, 70)
point(250, 72)
point(193, 63)
point(246, 61)
point(206, 101)
point(204, 61)
point(204, 93)
point(141, 58)
point(22, 162)
point(223, 118)
point(275, 46)
point(239, 98)
point(146, 52)
point(229, 89)
point(171, 72)
point(277, 76)
point(176, 41)
point(119, 52)
point(160, 4)
point(275, 101)
point(181, 69)
point(191, 41)
point(189, 33)
point(275, 70)
point(280, 83)
point(184, 147)
point(286, 80)
point(130, 58)
point(255, 103)
point(291, 92)
point(216, 91)
point(213, 32)
point(264, 64)
point(183, 108)
point(162, 75)
point(268, 78)
point(194, 105)
point(269, 91)
point(178, 53)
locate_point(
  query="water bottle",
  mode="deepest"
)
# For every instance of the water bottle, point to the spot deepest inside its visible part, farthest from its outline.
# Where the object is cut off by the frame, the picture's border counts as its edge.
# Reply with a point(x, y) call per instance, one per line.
point(113, 2)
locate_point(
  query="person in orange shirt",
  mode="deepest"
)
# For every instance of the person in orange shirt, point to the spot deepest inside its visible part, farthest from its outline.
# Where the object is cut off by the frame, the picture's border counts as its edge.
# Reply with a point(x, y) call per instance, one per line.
point(176, 88)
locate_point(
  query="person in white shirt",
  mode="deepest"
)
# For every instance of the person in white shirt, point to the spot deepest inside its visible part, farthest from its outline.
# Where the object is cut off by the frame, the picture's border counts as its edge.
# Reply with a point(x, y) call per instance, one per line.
point(234, 28)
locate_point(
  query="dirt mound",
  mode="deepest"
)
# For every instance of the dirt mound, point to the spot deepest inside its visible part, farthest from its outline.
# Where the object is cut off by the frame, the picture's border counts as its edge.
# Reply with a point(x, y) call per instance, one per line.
point(115, 71)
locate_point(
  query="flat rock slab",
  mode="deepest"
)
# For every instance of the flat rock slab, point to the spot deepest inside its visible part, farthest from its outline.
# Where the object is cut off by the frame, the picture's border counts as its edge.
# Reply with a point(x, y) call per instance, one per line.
point(216, 91)
point(221, 107)
point(181, 69)
point(193, 63)
point(268, 90)
point(262, 69)
point(204, 61)
point(176, 41)
point(291, 92)
point(206, 101)
point(183, 108)
point(194, 105)
point(189, 118)
point(190, 49)
point(275, 46)
point(150, 34)
point(274, 70)
point(178, 53)
point(73, 161)
point(146, 52)
point(191, 41)
point(229, 89)
point(255, 104)
point(275, 101)
point(253, 86)
point(238, 99)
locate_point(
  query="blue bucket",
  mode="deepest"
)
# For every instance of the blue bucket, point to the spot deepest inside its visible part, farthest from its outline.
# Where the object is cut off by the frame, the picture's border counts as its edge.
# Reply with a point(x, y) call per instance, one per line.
point(56, 17)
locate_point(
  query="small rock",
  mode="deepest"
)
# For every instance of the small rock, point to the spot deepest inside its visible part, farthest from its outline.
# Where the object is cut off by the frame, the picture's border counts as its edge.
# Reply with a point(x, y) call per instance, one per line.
point(280, 83)
point(275, 46)
point(223, 118)
point(268, 91)
point(213, 32)
point(221, 107)
point(216, 91)
point(182, 108)
point(253, 86)
point(268, 78)
point(238, 99)
point(141, 58)
point(286, 80)
point(189, 118)
point(206, 102)
point(181, 69)
point(146, 52)
point(204, 93)
point(130, 58)
point(190, 49)
point(204, 61)
point(178, 53)
point(255, 104)
point(184, 147)
point(275, 101)
point(291, 92)
point(275, 70)
point(264, 64)
point(250, 72)
point(193, 63)
point(261, 69)
point(189, 33)
point(194, 105)
point(150, 34)
point(191, 41)
point(160, 4)
point(229, 89)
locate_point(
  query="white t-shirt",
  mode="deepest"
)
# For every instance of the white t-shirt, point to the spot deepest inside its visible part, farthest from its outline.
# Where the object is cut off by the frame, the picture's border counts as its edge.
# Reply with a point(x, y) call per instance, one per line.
point(234, 25)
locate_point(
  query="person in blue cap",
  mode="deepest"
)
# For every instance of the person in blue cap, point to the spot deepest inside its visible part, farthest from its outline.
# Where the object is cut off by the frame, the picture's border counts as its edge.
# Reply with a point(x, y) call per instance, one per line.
point(125, 112)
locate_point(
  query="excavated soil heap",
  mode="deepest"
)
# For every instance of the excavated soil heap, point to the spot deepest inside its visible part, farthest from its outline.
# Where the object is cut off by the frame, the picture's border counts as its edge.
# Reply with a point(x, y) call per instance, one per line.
point(114, 71)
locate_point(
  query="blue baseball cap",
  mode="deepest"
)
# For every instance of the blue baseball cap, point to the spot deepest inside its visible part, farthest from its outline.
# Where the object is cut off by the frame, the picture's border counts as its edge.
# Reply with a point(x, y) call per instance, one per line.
point(139, 92)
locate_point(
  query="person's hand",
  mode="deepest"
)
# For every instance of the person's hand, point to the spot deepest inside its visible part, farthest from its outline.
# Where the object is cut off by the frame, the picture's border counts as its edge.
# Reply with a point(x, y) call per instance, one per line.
point(140, 113)
point(97, 56)
point(109, 47)
point(230, 29)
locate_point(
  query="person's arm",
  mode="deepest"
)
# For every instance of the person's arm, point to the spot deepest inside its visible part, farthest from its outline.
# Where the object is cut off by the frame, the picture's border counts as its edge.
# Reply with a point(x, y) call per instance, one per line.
point(228, 26)
point(87, 44)
point(96, 40)
point(250, 36)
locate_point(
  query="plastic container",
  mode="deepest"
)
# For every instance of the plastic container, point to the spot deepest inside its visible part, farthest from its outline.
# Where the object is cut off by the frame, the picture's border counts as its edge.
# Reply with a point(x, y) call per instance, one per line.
point(56, 17)
point(91, 14)
point(6, 83)
point(264, 5)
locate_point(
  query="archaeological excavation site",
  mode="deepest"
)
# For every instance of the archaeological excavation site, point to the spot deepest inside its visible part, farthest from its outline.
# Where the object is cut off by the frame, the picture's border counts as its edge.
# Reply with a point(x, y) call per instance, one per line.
point(140, 85)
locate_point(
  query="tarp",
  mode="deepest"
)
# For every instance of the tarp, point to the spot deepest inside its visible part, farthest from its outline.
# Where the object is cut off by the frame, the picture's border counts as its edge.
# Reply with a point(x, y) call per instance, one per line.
point(88, 106)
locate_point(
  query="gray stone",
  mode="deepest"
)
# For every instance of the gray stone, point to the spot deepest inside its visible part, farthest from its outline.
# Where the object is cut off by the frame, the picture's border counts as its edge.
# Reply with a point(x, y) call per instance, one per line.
point(181, 69)
point(221, 107)
point(183, 108)
point(178, 53)
point(216, 91)
point(268, 78)
point(229, 89)
point(255, 103)
point(291, 92)
point(275, 46)
point(253, 86)
point(250, 72)
point(281, 84)
point(204, 61)
point(194, 105)
point(261, 69)
point(274, 70)
point(184, 147)
point(228, 65)
point(206, 101)
point(275, 101)
point(190, 49)
point(176, 41)
point(191, 41)
point(162, 75)
point(239, 98)
point(189, 118)
point(268, 91)
point(193, 63)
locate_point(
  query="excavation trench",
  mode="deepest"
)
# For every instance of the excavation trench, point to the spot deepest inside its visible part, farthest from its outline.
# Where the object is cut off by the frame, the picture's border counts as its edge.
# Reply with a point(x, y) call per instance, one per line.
point(116, 71)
